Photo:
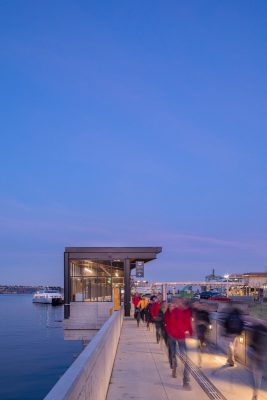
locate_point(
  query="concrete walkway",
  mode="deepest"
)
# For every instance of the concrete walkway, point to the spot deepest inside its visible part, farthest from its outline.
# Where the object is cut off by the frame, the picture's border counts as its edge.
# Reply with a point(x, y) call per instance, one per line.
point(141, 370)
point(233, 382)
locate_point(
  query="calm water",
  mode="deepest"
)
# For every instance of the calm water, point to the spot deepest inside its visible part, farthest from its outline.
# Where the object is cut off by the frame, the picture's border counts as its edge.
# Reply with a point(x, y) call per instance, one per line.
point(33, 352)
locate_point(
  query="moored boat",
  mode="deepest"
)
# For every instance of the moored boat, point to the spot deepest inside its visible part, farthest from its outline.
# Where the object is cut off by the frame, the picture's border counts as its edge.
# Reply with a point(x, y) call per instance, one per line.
point(48, 296)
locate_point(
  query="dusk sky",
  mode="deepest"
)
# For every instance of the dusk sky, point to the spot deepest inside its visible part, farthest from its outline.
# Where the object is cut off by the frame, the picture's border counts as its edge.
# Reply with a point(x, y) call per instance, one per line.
point(133, 123)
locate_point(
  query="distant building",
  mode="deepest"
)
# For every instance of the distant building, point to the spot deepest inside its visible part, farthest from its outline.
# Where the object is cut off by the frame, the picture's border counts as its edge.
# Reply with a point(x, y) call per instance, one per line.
point(252, 279)
point(142, 287)
point(237, 278)
point(213, 277)
point(249, 283)
point(255, 279)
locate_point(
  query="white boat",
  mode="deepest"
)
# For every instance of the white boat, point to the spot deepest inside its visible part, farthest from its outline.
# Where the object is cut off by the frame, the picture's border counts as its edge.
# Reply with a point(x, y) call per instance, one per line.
point(48, 296)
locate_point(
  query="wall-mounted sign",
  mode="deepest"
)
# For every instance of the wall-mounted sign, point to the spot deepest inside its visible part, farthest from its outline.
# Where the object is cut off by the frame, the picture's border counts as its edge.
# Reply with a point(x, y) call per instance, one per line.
point(139, 266)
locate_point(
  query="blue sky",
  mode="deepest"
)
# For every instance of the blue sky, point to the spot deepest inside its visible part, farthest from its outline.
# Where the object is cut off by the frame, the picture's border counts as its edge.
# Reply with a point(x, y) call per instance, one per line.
point(133, 123)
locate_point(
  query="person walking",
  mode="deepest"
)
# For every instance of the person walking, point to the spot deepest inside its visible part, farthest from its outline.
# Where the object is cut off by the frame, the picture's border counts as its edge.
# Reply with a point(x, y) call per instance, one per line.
point(201, 322)
point(147, 313)
point(178, 325)
point(155, 308)
point(233, 325)
point(160, 322)
point(137, 314)
point(142, 304)
point(135, 299)
point(257, 353)
point(168, 325)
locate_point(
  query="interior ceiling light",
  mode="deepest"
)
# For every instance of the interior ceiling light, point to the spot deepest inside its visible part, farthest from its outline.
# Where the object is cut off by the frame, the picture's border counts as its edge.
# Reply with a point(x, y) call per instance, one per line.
point(88, 270)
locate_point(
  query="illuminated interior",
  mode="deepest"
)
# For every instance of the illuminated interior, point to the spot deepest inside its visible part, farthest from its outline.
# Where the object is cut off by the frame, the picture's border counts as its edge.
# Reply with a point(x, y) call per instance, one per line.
point(94, 281)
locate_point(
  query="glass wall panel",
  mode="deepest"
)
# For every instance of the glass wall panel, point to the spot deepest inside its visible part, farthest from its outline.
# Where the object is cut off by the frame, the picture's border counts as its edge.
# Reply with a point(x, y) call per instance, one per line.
point(94, 281)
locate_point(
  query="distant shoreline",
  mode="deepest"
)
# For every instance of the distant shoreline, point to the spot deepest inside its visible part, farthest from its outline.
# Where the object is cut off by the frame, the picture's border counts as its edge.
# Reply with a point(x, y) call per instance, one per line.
point(20, 289)
point(8, 293)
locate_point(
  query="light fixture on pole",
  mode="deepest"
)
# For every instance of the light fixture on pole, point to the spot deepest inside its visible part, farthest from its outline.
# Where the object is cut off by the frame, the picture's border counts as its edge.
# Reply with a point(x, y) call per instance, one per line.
point(226, 276)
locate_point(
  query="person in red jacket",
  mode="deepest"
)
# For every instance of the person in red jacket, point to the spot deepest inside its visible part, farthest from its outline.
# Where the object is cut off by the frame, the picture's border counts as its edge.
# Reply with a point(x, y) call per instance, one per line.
point(154, 311)
point(135, 299)
point(178, 324)
point(137, 315)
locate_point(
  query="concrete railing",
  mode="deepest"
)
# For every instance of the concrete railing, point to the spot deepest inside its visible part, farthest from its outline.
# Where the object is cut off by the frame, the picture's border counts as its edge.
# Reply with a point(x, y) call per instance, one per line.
point(86, 315)
point(89, 375)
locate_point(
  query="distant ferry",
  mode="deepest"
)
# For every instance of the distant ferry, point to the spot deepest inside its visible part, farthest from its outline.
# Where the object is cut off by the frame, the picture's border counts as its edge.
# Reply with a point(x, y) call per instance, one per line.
point(48, 296)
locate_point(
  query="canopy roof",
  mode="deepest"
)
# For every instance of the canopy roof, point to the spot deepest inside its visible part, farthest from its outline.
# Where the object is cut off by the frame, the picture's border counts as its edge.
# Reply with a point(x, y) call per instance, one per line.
point(112, 255)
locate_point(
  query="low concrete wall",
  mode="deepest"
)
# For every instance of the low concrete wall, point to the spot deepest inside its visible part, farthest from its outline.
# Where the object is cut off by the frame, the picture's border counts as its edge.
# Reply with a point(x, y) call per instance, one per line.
point(85, 315)
point(88, 377)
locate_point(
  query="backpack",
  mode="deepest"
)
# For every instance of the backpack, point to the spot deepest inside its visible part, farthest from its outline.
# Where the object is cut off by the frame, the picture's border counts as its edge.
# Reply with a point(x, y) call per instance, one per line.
point(234, 322)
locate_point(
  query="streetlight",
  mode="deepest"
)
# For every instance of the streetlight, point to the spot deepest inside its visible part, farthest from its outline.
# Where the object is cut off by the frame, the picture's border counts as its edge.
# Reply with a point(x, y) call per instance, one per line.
point(226, 276)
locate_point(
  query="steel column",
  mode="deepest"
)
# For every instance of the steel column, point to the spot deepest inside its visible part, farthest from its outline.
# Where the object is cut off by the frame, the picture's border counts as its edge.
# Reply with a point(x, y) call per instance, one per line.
point(67, 293)
point(127, 288)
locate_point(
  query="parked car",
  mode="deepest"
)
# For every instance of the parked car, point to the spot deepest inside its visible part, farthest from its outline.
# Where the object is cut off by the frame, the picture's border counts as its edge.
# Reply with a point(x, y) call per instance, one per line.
point(206, 295)
point(219, 297)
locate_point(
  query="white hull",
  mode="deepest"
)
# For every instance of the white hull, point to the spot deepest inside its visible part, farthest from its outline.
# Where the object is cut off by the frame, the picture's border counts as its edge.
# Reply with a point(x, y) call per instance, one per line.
point(42, 300)
point(47, 297)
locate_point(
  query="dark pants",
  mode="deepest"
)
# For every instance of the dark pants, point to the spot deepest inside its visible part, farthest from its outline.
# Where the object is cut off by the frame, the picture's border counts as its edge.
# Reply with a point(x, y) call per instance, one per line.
point(143, 314)
point(172, 347)
point(201, 334)
point(158, 330)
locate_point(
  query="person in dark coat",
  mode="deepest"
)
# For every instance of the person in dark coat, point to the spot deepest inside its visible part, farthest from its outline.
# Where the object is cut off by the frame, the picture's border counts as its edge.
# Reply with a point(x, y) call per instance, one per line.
point(233, 325)
point(257, 352)
point(201, 322)
point(155, 308)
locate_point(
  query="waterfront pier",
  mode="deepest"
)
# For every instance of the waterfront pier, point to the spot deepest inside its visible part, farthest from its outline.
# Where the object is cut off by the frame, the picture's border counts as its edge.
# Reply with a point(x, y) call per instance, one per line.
point(125, 362)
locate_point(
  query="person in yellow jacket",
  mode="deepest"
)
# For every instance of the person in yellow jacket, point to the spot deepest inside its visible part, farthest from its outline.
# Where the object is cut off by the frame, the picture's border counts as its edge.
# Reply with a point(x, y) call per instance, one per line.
point(142, 304)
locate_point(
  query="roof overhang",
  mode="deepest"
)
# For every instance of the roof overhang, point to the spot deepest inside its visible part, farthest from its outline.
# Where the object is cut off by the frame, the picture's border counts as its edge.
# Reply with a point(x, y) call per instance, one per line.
point(119, 254)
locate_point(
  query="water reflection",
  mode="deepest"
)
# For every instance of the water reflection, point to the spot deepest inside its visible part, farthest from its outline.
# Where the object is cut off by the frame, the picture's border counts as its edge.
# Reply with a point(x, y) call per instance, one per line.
point(33, 351)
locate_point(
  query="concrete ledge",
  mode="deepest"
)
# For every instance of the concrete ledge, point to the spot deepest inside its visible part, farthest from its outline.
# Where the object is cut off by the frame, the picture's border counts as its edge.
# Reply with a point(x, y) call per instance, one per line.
point(88, 377)
point(85, 315)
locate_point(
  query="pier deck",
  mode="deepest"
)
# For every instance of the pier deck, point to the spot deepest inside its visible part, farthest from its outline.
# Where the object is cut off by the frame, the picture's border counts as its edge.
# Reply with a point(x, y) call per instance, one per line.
point(141, 370)
point(233, 382)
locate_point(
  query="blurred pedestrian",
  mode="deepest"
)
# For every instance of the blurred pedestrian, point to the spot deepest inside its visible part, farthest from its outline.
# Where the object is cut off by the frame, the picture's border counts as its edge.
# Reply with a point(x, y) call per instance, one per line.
point(135, 299)
point(160, 322)
point(155, 308)
point(137, 315)
point(257, 352)
point(178, 325)
point(147, 313)
point(201, 322)
point(233, 325)
point(142, 304)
